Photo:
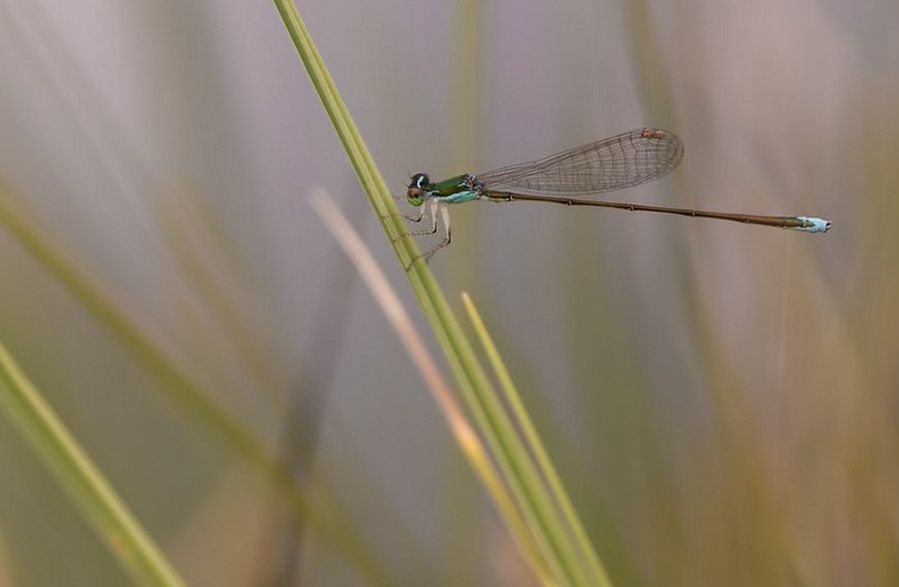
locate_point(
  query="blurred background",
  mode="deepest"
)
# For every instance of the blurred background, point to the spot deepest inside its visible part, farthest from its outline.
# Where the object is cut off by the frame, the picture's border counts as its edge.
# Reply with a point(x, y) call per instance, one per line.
point(721, 400)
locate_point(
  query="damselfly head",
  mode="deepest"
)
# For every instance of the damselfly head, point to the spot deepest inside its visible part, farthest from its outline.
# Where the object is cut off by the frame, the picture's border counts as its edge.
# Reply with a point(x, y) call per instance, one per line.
point(418, 189)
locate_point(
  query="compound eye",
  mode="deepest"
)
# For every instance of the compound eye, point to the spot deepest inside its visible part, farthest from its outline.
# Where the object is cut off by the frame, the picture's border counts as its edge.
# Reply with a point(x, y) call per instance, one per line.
point(420, 181)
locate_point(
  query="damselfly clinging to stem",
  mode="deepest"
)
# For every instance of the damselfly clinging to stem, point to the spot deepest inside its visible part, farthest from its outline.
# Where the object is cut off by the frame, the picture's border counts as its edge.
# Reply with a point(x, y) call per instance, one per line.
point(618, 162)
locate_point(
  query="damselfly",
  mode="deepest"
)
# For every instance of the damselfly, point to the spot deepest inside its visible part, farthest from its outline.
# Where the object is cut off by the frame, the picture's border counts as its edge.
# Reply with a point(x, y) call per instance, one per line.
point(618, 162)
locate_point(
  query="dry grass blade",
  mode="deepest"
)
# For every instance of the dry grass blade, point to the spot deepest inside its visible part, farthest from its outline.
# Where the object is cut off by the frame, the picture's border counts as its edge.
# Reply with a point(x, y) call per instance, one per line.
point(461, 429)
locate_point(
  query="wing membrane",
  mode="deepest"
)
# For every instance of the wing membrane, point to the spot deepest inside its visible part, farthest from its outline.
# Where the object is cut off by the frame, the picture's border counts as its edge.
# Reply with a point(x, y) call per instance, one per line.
point(614, 163)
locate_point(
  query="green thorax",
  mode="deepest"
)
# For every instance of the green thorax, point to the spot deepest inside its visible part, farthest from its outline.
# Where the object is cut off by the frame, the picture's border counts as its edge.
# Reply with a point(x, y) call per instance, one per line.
point(454, 190)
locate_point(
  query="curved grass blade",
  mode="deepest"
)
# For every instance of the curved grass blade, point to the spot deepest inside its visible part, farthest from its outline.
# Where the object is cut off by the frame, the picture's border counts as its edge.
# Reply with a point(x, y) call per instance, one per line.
point(193, 399)
point(98, 502)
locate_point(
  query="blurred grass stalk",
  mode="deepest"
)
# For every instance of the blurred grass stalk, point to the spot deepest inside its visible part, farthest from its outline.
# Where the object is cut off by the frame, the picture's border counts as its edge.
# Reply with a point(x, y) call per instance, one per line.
point(561, 553)
point(113, 523)
point(191, 397)
point(465, 436)
point(462, 430)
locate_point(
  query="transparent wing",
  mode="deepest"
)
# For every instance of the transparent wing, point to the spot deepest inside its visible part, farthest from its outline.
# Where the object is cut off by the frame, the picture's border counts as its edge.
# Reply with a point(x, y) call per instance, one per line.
point(614, 163)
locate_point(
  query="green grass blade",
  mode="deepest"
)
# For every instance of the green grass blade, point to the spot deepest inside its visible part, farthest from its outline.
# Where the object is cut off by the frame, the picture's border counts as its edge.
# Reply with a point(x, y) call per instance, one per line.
point(98, 502)
point(195, 400)
point(512, 457)
point(470, 444)
point(532, 439)
point(189, 395)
